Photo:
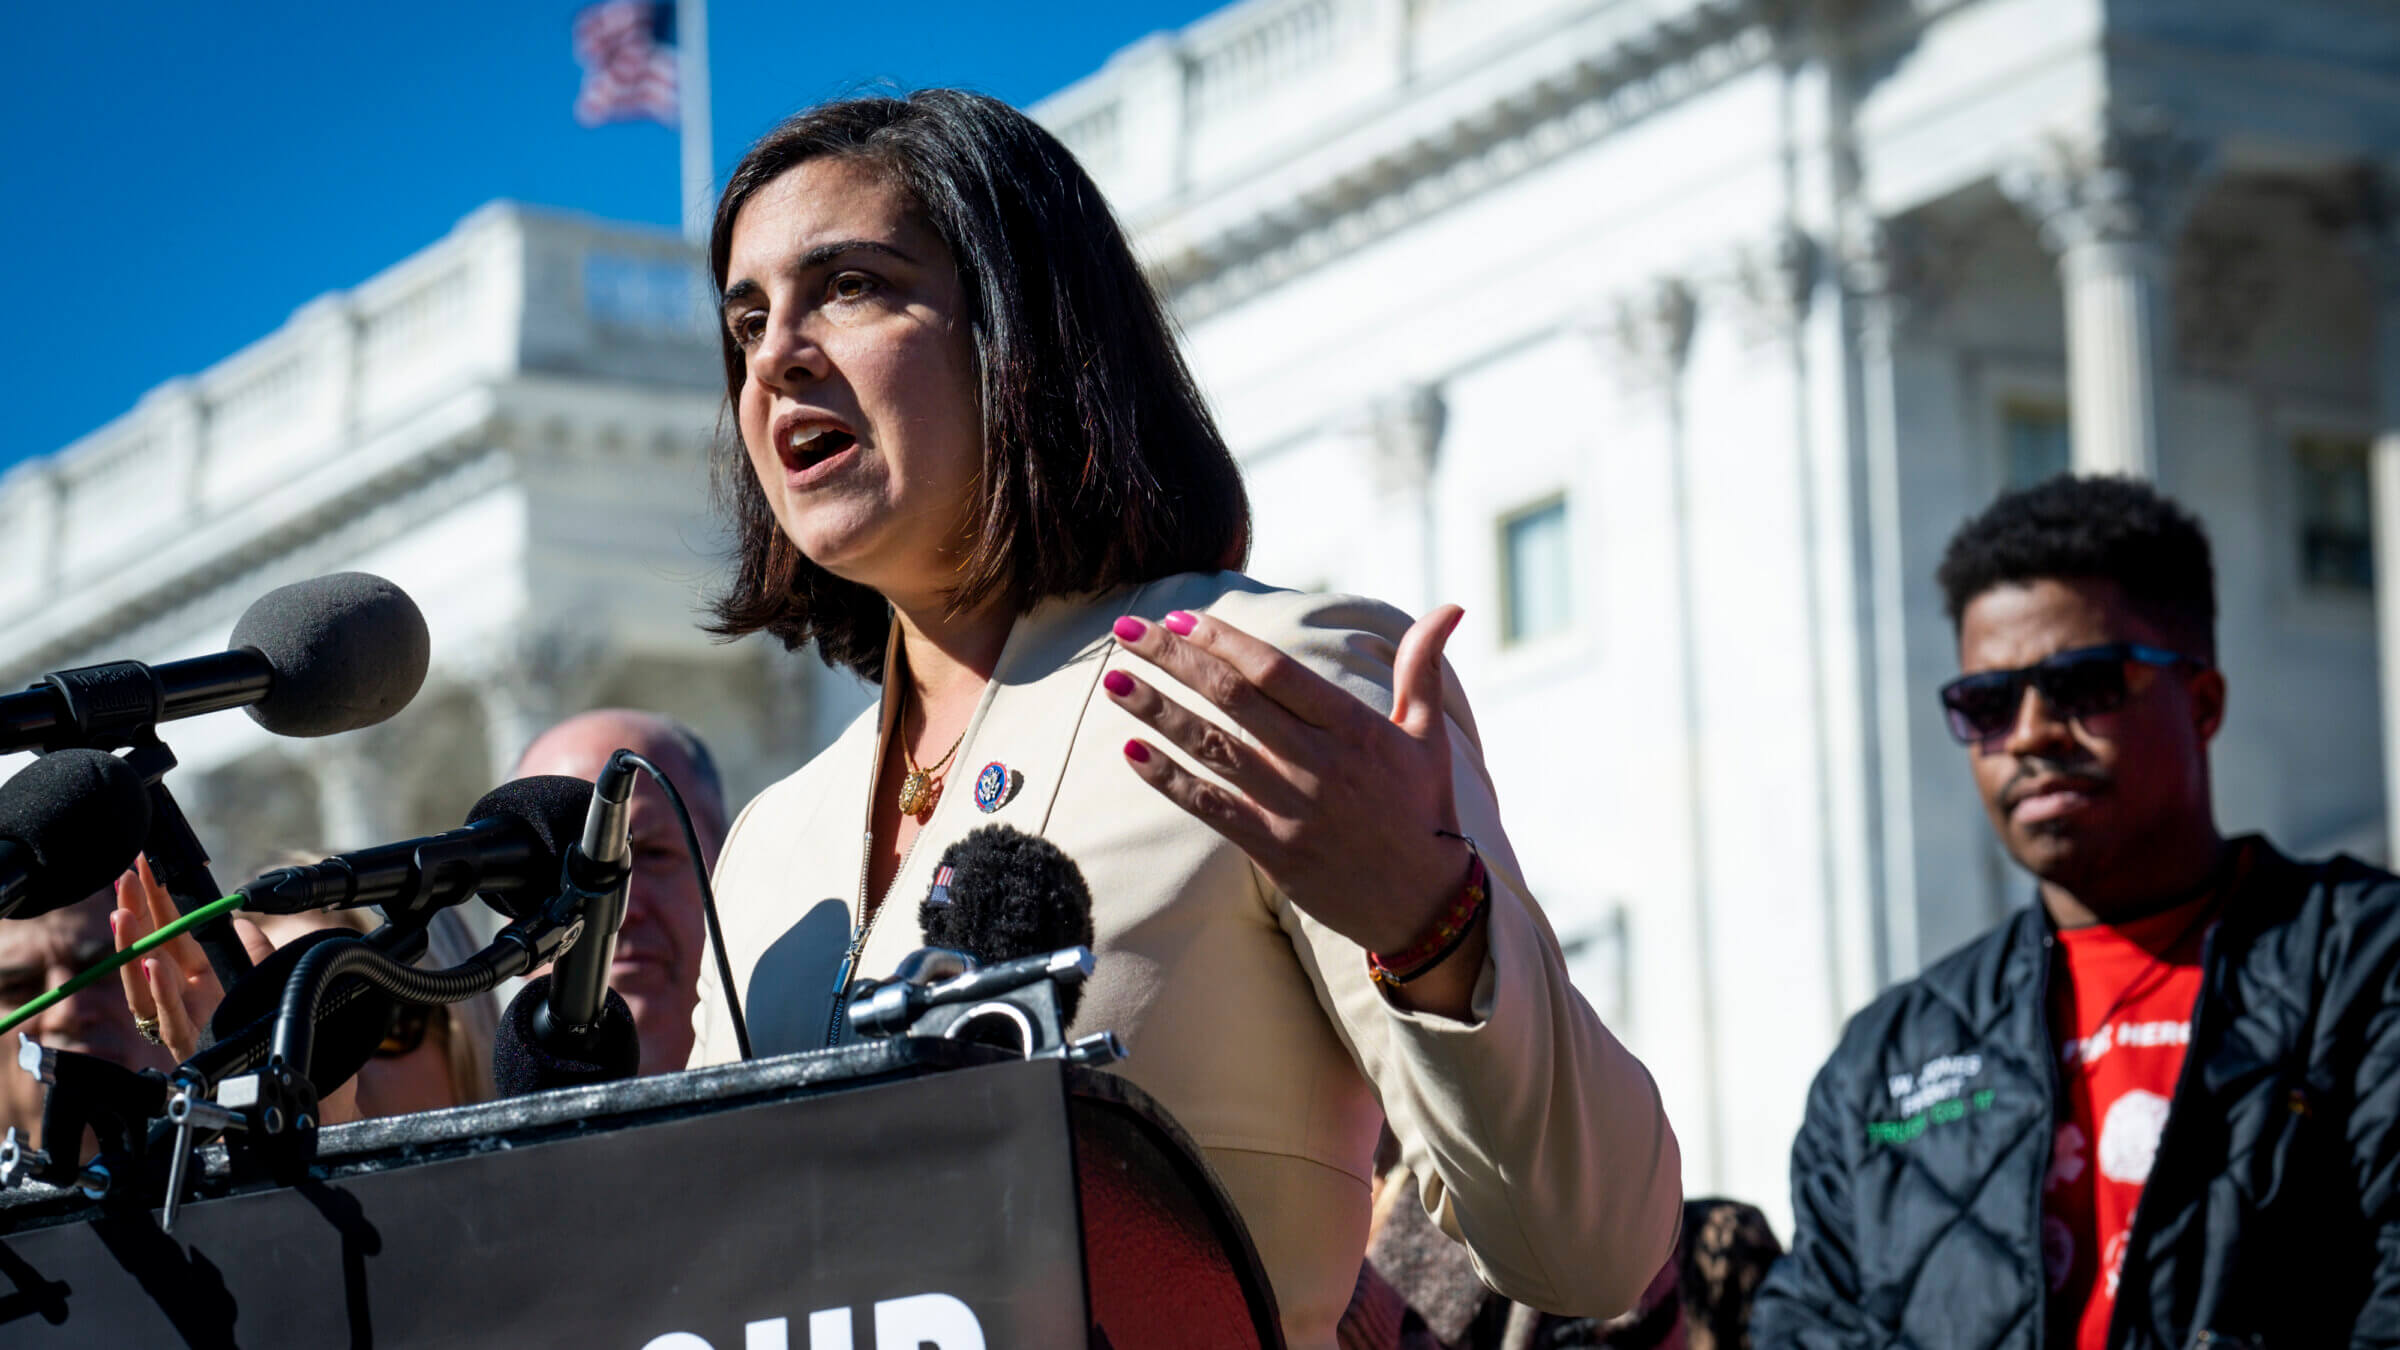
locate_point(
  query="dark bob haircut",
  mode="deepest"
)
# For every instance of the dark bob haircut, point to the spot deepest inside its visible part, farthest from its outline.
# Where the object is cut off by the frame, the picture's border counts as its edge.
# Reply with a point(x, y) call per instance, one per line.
point(1101, 464)
point(2091, 529)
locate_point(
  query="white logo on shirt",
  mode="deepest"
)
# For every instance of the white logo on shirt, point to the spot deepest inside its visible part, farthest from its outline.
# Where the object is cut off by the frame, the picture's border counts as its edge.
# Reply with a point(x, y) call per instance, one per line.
point(2129, 1136)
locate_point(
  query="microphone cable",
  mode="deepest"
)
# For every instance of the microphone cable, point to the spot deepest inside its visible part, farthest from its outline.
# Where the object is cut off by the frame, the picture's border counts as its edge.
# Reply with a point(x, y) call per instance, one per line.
point(708, 897)
point(107, 966)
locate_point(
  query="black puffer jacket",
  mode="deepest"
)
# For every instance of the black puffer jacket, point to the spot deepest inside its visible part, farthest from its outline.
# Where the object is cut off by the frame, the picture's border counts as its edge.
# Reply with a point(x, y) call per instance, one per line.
point(2271, 1217)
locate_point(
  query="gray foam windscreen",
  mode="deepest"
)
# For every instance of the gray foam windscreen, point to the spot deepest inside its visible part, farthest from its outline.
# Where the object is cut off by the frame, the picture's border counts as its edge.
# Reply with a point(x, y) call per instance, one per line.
point(84, 814)
point(349, 650)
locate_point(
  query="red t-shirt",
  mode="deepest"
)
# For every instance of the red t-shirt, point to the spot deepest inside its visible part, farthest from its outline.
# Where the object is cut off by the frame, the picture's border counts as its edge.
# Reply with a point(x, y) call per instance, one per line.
point(2120, 1018)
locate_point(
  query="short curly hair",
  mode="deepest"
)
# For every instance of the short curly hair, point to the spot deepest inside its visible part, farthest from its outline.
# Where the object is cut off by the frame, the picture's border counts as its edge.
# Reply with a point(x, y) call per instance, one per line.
point(2096, 528)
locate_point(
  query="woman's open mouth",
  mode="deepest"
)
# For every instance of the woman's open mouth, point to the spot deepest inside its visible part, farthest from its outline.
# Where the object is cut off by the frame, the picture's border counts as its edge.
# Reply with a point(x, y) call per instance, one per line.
point(805, 449)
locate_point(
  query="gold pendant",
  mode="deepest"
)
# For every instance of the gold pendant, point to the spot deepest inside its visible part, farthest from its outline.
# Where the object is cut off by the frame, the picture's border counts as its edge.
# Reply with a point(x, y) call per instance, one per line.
point(916, 792)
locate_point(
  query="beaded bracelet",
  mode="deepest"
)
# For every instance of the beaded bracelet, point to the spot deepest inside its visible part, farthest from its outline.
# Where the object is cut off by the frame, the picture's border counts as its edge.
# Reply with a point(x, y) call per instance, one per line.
point(1449, 932)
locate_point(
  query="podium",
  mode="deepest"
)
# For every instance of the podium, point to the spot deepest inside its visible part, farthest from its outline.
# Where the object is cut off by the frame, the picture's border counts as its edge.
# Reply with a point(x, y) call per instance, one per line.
point(891, 1195)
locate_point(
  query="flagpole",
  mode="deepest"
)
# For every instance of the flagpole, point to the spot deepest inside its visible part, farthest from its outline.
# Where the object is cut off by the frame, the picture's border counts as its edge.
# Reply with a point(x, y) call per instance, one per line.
point(691, 96)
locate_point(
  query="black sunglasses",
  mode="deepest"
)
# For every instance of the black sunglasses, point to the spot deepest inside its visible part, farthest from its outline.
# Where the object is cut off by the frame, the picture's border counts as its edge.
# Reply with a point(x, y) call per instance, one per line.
point(2085, 682)
point(410, 1022)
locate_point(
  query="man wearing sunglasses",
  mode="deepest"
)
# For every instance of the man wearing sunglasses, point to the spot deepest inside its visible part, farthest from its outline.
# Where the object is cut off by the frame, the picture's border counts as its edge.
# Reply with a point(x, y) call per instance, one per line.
point(2156, 1108)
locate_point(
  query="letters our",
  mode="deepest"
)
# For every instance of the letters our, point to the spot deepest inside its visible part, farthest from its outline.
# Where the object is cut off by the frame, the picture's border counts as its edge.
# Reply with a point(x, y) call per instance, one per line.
point(912, 1323)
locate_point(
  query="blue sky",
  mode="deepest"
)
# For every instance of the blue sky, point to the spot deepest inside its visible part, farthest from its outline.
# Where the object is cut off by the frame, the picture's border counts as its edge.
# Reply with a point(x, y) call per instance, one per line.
point(176, 178)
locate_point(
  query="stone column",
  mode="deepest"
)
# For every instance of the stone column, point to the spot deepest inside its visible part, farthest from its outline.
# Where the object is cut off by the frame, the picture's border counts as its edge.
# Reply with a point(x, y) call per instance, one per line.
point(2109, 204)
point(1404, 434)
point(2379, 237)
point(1882, 269)
point(1650, 332)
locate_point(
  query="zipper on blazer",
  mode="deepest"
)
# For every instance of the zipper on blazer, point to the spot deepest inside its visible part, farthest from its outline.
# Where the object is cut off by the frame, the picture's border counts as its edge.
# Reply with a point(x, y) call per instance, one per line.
point(866, 929)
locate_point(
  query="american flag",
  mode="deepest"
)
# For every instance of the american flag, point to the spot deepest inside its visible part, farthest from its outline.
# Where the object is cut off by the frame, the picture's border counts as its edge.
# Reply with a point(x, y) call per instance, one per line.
point(627, 50)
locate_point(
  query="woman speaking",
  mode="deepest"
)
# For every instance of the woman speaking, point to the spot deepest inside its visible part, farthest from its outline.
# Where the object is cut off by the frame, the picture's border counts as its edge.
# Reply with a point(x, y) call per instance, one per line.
point(973, 467)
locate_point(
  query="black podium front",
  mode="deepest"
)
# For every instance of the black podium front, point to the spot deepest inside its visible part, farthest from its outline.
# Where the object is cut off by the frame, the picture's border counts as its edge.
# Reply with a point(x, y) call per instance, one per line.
point(893, 1195)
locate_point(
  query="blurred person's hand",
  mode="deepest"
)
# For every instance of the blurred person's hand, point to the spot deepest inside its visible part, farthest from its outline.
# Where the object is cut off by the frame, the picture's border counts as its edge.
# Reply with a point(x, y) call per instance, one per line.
point(38, 955)
point(173, 989)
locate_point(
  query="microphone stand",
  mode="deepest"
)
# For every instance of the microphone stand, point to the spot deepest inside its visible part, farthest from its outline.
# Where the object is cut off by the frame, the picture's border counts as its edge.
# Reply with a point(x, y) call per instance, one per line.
point(180, 861)
point(119, 704)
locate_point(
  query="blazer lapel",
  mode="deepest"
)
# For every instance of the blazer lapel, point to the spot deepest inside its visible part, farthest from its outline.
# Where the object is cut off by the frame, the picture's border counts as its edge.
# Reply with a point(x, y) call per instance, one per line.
point(1021, 734)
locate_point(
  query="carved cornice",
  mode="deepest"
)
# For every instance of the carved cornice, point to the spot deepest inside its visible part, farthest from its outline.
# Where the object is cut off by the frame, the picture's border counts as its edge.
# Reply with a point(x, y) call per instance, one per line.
point(2130, 180)
point(1515, 135)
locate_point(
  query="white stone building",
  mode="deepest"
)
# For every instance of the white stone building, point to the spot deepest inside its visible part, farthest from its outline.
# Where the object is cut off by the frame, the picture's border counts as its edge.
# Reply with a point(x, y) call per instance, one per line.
point(1673, 337)
point(512, 425)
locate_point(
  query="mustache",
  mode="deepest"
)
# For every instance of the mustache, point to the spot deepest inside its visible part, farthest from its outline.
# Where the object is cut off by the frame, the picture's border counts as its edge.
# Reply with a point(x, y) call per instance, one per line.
point(2033, 769)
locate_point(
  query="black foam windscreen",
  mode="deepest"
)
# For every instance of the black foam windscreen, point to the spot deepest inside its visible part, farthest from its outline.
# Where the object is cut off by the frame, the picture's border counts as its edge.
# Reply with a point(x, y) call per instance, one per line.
point(1010, 894)
point(520, 1063)
point(554, 806)
point(83, 815)
point(353, 1016)
point(349, 650)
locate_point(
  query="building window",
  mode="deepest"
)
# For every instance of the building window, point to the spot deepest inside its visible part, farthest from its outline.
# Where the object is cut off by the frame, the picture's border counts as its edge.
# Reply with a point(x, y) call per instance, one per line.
point(646, 295)
point(1535, 599)
point(2337, 539)
point(2034, 438)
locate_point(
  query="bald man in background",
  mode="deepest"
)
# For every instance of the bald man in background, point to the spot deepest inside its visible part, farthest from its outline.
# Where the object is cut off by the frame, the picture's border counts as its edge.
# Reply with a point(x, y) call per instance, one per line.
point(40, 954)
point(664, 940)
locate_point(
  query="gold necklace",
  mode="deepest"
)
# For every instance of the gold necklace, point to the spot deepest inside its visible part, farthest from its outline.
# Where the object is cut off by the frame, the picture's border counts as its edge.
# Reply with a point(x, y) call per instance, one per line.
point(918, 790)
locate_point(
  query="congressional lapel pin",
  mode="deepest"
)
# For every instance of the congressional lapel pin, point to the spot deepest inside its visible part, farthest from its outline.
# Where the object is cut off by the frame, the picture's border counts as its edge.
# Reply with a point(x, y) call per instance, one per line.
point(996, 786)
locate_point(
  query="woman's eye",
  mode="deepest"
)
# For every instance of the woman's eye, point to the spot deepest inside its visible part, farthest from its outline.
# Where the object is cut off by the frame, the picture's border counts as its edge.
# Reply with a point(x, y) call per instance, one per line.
point(852, 286)
point(747, 328)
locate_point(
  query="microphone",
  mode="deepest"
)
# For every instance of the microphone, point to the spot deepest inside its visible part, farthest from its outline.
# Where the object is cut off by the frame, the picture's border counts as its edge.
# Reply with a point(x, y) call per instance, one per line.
point(70, 822)
point(523, 1060)
point(510, 851)
point(1002, 895)
point(310, 659)
point(1007, 909)
point(568, 1028)
point(600, 864)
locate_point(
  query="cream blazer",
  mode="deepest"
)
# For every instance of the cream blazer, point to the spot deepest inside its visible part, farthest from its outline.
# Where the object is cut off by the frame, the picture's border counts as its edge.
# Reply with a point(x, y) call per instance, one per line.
point(1540, 1139)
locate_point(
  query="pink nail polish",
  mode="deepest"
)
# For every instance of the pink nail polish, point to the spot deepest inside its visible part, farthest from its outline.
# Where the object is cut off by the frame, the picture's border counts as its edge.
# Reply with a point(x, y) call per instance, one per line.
point(1118, 682)
point(1179, 623)
point(1137, 752)
point(1131, 629)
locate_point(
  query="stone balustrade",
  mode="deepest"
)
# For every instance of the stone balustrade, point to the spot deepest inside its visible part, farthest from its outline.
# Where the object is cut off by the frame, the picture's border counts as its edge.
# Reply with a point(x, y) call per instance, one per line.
point(1257, 78)
point(510, 291)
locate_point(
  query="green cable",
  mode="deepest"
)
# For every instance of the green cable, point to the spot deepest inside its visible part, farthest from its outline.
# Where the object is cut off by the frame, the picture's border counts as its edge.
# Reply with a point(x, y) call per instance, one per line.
point(102, 971)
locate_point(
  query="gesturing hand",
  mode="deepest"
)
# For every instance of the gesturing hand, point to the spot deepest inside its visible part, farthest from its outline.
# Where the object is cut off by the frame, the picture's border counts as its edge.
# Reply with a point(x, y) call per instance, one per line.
point(173, 987)
point(1336, 803)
